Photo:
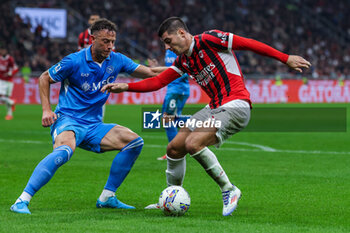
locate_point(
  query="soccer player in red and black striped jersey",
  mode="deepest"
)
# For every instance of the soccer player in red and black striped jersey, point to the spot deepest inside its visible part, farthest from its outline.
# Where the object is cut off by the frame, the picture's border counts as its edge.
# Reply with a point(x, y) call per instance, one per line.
point(84, 39)
point(210, 59)
point(8, 69)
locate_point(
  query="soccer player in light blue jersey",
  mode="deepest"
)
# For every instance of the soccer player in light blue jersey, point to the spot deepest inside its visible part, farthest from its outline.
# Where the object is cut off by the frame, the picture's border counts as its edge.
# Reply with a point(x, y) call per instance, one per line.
point(77, 120)
point(176, 96)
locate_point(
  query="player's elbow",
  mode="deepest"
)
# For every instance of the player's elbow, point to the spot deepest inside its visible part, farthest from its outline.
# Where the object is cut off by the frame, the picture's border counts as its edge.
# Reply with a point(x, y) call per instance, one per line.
point(45, 78)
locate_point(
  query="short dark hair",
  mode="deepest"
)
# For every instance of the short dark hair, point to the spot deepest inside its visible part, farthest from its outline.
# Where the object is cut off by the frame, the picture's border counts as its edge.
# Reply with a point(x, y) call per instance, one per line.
point(102, 24)
point(171, 25)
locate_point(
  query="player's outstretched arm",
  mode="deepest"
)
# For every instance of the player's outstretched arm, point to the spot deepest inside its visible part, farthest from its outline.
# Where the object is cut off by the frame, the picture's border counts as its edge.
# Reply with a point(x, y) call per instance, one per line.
point(48, 117)
point(147, 85)
point(115, 87)
point(294, 62)
point(297, 63)
point(147, 72)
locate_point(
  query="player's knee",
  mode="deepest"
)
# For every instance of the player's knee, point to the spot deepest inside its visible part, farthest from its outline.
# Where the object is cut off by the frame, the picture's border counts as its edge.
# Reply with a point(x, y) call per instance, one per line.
point(175, 150)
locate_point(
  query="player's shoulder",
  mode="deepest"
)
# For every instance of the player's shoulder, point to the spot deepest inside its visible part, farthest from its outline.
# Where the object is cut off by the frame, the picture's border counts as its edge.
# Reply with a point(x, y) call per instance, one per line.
point(214, 32)
point(76, 57)
point(117, 56)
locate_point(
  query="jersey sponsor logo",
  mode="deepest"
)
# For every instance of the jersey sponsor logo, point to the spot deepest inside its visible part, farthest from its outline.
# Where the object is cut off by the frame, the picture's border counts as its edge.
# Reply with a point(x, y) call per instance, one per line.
point(110, 69)
point(205, 75)
point(85, 86)
point(85, 75)
point(96, 86)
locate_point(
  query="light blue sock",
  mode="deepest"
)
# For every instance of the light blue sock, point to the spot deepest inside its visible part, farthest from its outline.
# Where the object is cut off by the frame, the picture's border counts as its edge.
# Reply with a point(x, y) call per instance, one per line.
point(122, 164)
point(171, 132)
point(47, 168)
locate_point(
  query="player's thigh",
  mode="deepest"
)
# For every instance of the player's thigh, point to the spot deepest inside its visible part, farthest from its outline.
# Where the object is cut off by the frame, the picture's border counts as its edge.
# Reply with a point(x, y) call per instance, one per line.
point(117, 138)
point(176, 148)
point(3, 88)
point(9, 89)
point(200, 138)
point(65, 138)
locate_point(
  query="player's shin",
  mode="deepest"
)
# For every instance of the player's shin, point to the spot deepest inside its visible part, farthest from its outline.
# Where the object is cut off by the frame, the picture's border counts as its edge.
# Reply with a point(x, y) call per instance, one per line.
point(175, 172)
point(121, 166)
point(46, 169)
point(212, 166)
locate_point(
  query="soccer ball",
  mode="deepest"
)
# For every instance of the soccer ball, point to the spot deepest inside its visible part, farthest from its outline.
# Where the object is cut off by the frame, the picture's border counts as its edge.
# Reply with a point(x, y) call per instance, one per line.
point(174, 201)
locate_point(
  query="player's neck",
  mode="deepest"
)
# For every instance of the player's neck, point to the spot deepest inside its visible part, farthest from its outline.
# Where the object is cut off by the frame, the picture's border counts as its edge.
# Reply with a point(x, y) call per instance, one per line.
point(188, 43)
point(95, 56)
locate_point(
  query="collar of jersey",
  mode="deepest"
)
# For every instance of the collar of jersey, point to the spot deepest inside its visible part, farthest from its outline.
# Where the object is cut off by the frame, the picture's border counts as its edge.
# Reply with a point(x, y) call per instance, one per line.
point(88, 55)
point(189, 52)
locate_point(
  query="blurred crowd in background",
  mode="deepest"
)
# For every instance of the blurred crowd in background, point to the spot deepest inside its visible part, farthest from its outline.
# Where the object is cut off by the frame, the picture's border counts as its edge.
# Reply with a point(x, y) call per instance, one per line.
point(315, 29)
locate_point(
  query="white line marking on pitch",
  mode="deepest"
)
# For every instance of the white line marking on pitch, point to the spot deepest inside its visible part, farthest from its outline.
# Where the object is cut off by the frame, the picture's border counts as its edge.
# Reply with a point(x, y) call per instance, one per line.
point(264, 148)
point(260, 147)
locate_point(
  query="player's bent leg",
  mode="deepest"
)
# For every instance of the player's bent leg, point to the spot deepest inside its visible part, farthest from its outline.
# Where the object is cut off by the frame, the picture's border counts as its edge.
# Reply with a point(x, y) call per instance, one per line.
point(176, 161)
point(197, 144)
point(130, 146)
point(45, 170)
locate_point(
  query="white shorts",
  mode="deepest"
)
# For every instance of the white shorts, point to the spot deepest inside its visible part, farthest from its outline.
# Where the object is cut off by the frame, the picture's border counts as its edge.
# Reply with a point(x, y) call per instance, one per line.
point(234, 117)
point(6, 88)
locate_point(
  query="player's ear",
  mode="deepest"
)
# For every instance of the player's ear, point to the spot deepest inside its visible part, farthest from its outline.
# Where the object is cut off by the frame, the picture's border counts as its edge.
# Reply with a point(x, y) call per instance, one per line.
point(93, 38)
point(181, 32)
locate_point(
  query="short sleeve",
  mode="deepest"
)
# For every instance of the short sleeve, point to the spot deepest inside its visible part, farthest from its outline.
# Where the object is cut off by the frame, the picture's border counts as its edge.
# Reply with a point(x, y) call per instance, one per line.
point(129, 66)
point(218, 40)
point(62, 69)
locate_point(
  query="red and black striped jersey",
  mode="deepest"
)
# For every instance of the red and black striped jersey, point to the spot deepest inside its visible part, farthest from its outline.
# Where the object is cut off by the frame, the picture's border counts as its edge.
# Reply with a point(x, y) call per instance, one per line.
point(212, 63)
point(8, 68)
point(84, 39)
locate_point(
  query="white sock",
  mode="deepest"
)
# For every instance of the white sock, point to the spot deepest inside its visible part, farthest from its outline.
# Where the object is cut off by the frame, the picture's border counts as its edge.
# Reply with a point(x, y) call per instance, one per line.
point(212, 166)
point(9, 109)
point(106, 194)
point(175, 172)
point(24, 197)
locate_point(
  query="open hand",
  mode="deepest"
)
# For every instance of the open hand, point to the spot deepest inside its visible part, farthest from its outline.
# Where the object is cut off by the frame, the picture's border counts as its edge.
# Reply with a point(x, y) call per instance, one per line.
point(297, 63)
point(115, 87)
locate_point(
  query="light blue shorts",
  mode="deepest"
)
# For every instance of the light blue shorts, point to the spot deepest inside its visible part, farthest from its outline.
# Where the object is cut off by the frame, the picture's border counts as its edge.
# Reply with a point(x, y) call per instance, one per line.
point(174, 103)
point(87, 136)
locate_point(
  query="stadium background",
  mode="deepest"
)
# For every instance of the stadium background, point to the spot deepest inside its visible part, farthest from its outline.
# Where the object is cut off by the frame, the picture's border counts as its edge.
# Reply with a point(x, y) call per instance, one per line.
point(315, 29)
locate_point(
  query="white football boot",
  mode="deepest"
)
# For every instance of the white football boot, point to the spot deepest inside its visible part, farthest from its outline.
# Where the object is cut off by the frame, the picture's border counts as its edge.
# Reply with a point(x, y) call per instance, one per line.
point(230, 199)
point(152, 206)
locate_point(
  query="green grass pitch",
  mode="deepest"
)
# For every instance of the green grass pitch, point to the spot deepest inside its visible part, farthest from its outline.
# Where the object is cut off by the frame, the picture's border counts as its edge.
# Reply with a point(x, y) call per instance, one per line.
point(291, 182)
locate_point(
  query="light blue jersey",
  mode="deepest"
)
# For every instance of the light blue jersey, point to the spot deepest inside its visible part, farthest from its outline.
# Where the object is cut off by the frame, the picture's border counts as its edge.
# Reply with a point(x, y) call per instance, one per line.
point(82, 79)
point(180, 85)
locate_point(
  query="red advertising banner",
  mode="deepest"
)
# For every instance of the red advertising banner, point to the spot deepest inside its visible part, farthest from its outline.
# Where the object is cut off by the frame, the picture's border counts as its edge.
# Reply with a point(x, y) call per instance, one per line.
point(261, 91)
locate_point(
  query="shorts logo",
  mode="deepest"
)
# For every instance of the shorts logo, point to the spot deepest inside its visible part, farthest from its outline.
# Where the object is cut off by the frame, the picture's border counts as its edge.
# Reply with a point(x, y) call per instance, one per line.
point(110, 69)
point(151, 120)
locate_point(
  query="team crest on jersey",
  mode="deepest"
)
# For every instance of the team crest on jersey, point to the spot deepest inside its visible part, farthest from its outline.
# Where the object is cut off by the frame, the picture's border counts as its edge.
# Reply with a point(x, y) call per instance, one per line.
point(200, 53)
point(110, 69)
point(85, 86)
